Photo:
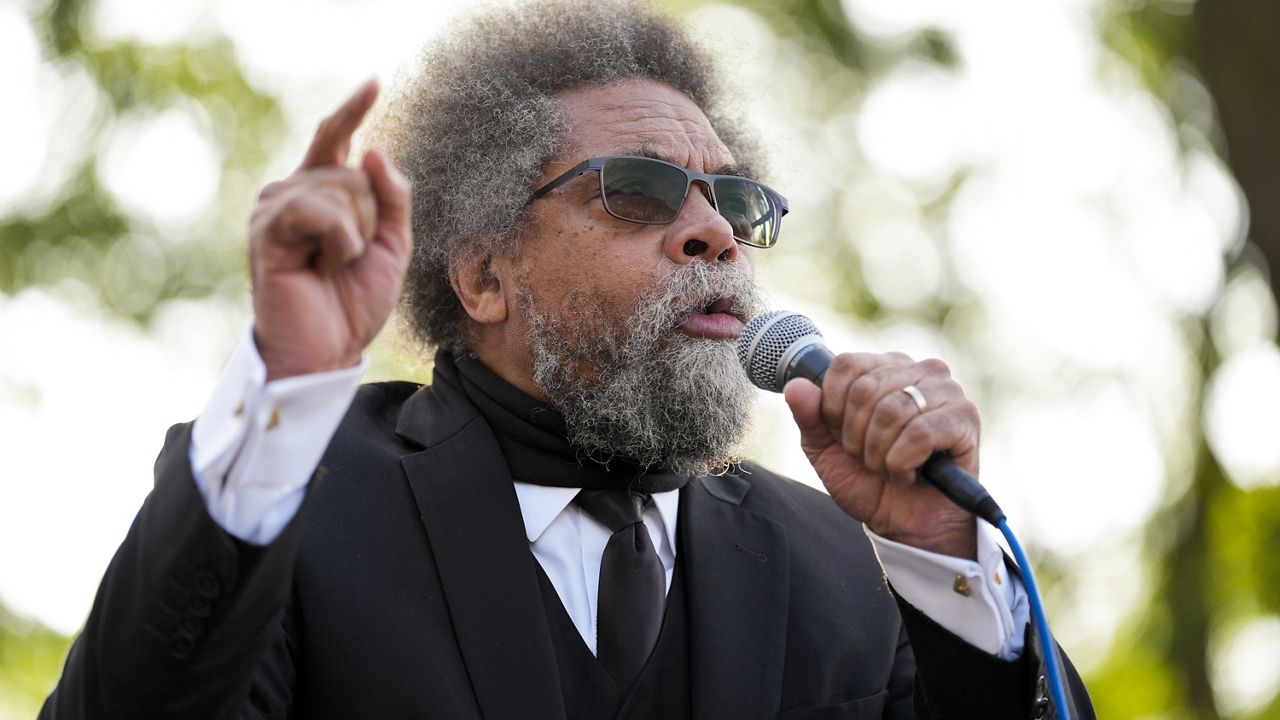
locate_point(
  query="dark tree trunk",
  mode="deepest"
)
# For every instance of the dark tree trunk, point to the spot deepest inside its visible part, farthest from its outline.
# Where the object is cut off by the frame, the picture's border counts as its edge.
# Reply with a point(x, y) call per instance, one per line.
point(1240, 59)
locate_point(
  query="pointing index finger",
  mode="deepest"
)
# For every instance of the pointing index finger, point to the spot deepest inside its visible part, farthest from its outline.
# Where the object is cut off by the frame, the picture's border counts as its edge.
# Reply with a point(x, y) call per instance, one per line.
point(332, 141)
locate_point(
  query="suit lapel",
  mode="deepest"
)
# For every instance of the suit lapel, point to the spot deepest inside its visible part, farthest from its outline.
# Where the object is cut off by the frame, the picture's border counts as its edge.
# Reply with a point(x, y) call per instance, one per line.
point(468, 505)
point(736, 568)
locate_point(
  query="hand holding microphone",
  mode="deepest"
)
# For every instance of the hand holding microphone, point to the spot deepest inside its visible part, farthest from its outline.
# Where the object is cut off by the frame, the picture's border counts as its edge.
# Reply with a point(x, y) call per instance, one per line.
point(869, 423)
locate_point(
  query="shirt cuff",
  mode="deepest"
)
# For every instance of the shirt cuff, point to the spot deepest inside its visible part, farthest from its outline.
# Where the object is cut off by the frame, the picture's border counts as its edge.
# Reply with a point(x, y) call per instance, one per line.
point(257, 443)
point(979, 602)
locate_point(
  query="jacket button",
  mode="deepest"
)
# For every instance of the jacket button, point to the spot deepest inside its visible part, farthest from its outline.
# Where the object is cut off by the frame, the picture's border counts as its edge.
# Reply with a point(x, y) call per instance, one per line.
point(207, 585)
point(181, 648)
point(190, 628)
point(198, 607)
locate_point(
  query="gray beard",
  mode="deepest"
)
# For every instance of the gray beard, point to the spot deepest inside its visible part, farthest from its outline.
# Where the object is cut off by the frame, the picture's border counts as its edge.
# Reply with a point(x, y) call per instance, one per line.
point(638, 388)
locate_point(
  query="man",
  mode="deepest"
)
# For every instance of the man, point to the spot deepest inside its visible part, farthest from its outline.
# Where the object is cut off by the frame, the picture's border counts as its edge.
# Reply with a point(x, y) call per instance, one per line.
point(558, 526)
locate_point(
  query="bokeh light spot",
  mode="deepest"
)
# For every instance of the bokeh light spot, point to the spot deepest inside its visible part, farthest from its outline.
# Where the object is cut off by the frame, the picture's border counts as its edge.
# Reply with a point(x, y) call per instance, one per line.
point(1242, 413)
point(1246, 666)
point(161, 166)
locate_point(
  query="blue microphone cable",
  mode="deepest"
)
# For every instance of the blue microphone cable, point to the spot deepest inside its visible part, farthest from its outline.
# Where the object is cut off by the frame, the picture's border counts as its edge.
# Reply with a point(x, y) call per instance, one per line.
point(1052, 669)
point(963, 490)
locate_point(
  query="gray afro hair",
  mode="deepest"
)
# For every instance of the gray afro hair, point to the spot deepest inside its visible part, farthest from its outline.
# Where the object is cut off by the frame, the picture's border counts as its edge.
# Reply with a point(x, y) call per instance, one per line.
point(475, 123)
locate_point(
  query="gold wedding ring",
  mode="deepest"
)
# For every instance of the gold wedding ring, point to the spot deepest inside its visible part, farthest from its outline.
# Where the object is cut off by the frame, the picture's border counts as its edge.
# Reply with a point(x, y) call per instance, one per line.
point(917, 397)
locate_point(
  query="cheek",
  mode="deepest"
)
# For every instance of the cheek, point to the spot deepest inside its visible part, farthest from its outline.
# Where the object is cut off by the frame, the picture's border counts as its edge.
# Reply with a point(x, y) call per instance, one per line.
point(603, 266)
point(595, 285)
point(623, 274)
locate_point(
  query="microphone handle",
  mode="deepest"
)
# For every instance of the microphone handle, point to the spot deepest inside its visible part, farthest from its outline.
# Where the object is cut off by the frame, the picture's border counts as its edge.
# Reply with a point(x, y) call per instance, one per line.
point(810, 362)
point(961, 487)
point(940, 470)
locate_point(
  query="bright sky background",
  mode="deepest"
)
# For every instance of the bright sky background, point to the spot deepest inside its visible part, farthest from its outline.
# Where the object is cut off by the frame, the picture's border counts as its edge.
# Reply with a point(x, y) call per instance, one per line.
point(1083, 231)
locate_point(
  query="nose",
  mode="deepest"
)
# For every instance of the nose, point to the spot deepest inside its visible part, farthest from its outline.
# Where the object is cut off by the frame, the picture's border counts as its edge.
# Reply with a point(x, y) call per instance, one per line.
point(700, 232)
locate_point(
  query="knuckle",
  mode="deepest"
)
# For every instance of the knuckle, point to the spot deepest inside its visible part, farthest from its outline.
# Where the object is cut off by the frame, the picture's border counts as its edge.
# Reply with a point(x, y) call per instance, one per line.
point(864, 391)
point(295, 205)
point(886, 414)
point(918, 433)
point(270, 190)
point(842, 364)
point(887, 373)
point(934, 366)
point(898, 358)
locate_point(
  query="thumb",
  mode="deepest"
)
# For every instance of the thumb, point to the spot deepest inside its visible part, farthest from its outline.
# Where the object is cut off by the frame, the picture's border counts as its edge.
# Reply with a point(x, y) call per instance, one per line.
point(805, 400)
point(392, 192)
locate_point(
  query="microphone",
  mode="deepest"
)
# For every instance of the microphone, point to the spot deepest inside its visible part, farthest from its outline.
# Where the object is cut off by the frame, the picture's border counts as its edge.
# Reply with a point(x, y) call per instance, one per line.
point(777, 346)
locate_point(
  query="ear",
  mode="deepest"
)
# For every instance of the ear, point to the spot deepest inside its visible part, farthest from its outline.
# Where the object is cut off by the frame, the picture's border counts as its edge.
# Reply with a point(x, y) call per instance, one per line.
point(479, 288)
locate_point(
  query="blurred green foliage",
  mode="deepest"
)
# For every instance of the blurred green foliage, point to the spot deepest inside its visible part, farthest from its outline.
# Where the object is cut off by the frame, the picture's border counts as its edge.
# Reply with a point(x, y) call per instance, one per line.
point(30, 659)
point(83, 235)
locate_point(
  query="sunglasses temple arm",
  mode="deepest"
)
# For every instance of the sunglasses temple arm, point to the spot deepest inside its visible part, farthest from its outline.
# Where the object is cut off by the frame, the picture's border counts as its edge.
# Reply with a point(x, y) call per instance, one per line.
point(570, 174)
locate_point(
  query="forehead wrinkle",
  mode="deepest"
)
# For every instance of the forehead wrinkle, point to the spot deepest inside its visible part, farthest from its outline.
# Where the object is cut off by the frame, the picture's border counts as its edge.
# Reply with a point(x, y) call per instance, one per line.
point(651, 151)
point(656, 123)
point(695, 150)
point(666, 124)
point(651, 108)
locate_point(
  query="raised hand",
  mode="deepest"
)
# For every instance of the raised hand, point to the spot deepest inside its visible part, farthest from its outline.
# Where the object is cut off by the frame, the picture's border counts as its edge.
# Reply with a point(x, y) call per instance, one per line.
point(866, 437)
point(328, 249)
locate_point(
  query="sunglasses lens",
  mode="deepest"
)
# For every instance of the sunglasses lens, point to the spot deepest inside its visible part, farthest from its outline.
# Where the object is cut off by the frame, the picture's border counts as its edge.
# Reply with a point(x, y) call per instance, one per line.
point(642, 190)
point(749, 210)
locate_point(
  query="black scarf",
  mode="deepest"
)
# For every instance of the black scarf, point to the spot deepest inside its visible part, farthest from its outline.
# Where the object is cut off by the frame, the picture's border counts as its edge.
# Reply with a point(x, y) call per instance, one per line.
point(534, 440)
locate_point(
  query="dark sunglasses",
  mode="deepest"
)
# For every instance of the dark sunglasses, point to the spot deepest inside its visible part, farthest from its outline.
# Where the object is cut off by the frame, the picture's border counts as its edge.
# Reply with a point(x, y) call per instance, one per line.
point(649, 191)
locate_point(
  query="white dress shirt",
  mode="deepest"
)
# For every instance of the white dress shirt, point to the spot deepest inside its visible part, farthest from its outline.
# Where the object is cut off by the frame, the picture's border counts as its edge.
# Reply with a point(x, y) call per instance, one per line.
point(256, 444)
point(569, 544)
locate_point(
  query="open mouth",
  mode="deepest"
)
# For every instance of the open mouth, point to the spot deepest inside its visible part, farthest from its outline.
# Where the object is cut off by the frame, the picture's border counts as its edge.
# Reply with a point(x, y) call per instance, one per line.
point(724, 304)
point(720, 318)
point(717, 303)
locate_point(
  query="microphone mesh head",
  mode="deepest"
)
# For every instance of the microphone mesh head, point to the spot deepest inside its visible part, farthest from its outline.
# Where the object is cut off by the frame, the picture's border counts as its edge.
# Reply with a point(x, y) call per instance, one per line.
point(765, 340)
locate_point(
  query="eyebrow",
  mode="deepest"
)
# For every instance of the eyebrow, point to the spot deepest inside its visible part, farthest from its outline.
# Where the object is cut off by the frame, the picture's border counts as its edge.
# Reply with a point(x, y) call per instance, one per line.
point(650, 151)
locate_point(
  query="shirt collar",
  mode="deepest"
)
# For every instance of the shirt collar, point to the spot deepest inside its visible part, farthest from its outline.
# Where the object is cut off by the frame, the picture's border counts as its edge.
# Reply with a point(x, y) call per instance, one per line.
point(540, 505)
point(668, 504)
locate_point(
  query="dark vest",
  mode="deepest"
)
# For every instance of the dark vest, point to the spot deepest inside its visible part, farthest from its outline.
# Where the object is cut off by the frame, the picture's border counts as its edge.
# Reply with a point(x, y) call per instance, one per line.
point(664, 687)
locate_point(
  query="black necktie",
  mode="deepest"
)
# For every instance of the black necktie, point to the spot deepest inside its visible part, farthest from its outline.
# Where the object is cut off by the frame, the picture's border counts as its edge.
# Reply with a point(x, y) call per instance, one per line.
point(633, 585)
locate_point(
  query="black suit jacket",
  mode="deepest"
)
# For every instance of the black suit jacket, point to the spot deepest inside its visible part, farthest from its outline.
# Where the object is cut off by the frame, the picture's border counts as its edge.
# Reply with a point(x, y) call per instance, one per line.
point(405, 588)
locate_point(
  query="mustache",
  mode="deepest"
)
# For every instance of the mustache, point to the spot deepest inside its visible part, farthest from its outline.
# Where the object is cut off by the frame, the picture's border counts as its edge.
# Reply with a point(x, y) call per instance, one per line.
point(700, 287)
